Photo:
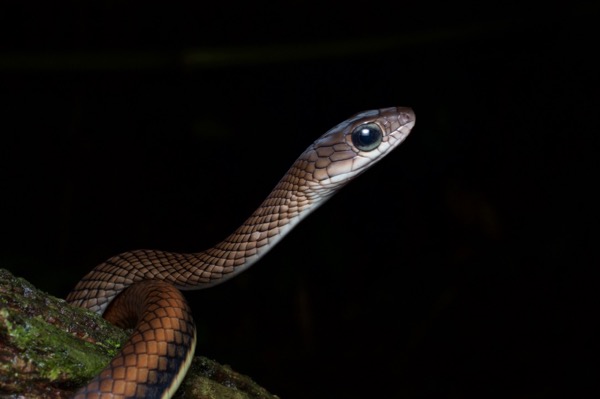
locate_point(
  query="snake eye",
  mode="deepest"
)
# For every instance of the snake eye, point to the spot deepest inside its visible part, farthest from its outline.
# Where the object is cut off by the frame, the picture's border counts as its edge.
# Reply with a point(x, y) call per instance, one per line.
point(367, 137)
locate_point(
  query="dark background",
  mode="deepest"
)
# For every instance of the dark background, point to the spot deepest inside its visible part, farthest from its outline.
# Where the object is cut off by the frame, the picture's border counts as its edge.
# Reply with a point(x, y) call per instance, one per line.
point(457, 267)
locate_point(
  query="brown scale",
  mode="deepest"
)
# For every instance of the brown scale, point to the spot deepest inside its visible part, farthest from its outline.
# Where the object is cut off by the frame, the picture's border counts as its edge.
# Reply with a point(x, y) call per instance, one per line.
point(141, 287)
point(159, 347)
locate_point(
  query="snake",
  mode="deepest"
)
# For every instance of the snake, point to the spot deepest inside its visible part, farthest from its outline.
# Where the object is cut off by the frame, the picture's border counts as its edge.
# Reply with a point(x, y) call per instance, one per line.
point(141, 289)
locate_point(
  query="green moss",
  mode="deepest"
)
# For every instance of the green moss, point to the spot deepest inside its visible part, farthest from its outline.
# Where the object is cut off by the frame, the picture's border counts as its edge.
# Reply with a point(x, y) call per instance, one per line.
point(48, 348)
point(55, 341)
point(54, 352)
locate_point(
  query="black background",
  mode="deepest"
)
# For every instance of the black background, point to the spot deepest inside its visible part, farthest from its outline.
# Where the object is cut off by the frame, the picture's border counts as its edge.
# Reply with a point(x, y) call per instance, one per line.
point(456, 267)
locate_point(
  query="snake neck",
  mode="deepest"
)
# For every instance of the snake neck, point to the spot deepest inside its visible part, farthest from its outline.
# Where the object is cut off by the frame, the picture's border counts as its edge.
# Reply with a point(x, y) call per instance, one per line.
point(292, 199)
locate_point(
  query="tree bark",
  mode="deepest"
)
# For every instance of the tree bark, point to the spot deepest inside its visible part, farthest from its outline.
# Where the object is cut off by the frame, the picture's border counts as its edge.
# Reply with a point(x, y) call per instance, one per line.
point(49, 348)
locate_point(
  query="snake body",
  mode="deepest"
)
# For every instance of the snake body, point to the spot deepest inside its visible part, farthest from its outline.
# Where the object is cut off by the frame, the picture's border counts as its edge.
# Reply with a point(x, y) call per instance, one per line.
point(141, 288)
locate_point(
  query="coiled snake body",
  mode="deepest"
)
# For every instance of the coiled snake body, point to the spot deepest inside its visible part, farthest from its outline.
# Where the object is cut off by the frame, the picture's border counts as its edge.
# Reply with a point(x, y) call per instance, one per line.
point(141, 288)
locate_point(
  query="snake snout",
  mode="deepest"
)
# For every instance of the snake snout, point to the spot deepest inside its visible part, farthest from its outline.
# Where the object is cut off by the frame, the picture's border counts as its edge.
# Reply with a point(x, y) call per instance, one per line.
point(406, 115)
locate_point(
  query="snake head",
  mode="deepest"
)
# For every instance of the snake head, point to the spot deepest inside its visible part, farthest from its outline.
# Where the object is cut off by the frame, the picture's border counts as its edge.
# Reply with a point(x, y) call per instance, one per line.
point(352, 146)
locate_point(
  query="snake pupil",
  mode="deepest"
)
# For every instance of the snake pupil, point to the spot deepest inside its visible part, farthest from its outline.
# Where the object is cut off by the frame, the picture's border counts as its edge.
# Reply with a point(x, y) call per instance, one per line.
point(367, 137)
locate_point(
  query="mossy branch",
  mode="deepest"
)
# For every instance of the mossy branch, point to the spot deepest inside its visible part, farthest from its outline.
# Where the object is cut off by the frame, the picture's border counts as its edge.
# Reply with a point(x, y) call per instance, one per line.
point(49, 348)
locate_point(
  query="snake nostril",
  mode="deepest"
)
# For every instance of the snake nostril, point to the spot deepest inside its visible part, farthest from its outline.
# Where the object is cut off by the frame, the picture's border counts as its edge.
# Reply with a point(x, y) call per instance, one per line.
point(404, 117)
